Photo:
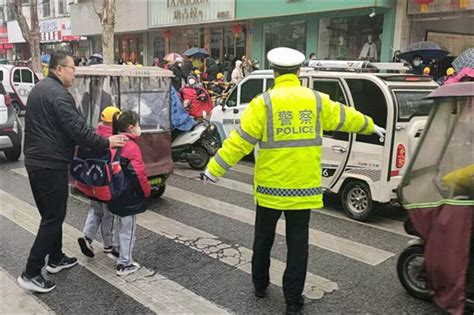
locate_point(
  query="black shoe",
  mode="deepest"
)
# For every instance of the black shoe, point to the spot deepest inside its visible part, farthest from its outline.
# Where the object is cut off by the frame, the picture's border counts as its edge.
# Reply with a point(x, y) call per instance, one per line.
point(36, 284)
point(123, 270)
point(65, 263)
point(112, 251)
point(261, 293)
point(86, 246)
point(294, 309)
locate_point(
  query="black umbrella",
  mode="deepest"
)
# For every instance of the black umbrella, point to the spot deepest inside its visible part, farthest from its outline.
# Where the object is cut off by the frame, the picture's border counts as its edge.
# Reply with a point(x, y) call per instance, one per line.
point(196, 52)
point(427, 51)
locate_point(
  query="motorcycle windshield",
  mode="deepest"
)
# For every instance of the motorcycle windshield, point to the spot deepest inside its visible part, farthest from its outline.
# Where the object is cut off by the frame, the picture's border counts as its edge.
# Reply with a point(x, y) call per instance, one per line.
point(442, 169)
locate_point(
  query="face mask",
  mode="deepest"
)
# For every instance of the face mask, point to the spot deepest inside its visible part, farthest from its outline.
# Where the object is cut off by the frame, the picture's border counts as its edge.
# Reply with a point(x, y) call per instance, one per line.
point(137, 131)
point(192, 82)
point(416, 63)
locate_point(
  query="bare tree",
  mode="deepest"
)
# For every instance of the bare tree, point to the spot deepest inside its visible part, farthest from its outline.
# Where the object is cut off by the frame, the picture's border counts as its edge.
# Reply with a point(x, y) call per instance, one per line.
point(107, 21)
point(31, 33)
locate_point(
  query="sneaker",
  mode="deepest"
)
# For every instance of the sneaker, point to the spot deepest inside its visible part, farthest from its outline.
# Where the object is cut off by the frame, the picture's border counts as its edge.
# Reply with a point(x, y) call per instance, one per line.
point(86, 246)
point(123, 270)
point(36, 284)
point(65, 263)
point(112, 251)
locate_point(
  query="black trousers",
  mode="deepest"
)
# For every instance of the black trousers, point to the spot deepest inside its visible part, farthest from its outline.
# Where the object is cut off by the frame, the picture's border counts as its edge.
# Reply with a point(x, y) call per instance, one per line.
point(297, 257)
point(50, 191)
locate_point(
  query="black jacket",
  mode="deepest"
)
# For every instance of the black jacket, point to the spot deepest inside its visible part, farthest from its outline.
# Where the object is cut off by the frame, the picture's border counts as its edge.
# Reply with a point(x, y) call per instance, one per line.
point(53, 126)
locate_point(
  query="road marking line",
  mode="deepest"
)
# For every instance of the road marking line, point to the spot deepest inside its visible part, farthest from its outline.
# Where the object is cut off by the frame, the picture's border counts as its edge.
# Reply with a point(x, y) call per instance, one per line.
point(380, 223)
point(363, 253)
point(154, 291)
point(15, 300)
point(232, 255)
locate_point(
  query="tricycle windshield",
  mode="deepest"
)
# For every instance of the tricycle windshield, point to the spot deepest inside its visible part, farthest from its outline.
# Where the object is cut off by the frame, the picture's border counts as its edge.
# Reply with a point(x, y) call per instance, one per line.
point(442, 170)
point(148, 96)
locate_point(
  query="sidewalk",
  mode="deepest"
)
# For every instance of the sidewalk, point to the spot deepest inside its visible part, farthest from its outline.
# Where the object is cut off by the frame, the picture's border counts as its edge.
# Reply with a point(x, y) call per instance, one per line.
point(14, 300)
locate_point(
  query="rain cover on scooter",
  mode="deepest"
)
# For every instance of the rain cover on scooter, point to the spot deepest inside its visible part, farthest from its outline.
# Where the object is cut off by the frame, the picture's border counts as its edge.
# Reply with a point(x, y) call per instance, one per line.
point(438, 191)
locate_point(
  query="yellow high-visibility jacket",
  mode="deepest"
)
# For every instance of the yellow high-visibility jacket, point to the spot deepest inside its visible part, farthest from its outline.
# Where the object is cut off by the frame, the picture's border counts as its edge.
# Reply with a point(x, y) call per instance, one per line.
point(287, 122)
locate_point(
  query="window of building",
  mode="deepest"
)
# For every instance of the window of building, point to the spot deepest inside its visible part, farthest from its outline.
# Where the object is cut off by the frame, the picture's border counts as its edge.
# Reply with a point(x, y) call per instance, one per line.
point(26, 76)
point(250, 89)
point(334, 90)
point(46, 8)
point(369, 99)
point(290, 34)
point(350, 38)
point(62, 7)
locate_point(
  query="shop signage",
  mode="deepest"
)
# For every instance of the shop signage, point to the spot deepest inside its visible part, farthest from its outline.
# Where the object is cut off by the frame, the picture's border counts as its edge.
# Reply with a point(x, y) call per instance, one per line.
point(183, 12)
point(52, 30)
point(436, 6)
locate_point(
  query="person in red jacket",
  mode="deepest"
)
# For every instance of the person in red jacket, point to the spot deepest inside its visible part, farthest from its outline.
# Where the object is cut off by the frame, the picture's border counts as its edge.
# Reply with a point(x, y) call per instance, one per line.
point(133, 200)
point(195, 98)
point(99, 214)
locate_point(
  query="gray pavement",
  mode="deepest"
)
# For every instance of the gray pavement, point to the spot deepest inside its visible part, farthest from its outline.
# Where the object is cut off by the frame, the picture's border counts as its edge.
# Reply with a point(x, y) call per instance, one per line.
point(361, 287)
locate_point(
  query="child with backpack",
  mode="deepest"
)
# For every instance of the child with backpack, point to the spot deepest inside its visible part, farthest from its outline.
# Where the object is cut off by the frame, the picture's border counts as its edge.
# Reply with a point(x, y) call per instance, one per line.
point(99, 214)
point(132, 200)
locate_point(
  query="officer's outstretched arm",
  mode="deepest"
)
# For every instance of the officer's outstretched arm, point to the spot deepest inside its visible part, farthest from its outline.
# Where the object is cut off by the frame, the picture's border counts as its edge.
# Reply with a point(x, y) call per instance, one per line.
point(338, 117)
point(242, 140)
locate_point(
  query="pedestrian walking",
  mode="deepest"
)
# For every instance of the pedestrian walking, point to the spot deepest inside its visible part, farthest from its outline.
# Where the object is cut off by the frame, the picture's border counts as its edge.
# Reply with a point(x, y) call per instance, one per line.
point(288, 123)
point(133, 199)
point(53, 126)
point(99, 214)
point(237, 74)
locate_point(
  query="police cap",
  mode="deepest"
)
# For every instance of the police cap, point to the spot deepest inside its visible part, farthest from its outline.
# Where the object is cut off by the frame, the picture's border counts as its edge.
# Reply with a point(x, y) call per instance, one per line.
point(285, 58)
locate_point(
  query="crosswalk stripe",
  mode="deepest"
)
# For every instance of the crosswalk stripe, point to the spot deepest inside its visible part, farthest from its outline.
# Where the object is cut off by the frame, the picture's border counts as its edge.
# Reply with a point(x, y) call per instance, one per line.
point(15, 300)
point(154, 291)
point(360, 252)
point(363, 253)
point(243, 169)
point(380, 223)
point(235, 256)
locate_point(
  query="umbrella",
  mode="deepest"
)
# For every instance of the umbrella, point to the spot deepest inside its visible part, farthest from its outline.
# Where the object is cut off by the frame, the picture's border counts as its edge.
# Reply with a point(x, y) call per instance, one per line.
point(172, 57)
point(427, 51)
point(464, 60)
point(196, 52)
point(98, 56)
point(45, 58)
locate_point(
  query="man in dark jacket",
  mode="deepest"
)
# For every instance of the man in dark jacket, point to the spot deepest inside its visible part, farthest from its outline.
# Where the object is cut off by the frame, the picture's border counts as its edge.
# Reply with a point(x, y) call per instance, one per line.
point(53, 126)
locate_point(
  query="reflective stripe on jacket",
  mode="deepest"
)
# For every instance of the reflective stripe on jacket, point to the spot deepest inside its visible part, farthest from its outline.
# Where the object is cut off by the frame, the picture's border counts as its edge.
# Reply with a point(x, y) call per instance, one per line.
point(287, 122)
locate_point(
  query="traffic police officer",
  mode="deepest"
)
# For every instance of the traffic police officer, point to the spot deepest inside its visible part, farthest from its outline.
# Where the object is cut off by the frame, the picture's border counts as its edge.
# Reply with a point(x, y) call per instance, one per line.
point(287, 122)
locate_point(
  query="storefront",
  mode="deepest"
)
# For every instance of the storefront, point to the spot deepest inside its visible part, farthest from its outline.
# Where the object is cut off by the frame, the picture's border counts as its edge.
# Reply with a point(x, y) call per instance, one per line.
point(179, 25)
point(332, 29)
point(6, 48)
point(129, 48)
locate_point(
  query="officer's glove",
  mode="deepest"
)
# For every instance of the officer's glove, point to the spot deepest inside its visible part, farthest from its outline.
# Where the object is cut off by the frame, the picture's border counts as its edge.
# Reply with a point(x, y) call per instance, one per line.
point(208, 178)
point(379, 131)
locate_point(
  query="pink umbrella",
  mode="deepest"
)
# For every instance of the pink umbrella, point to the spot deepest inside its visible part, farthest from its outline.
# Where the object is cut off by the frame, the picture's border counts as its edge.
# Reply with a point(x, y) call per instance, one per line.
point(172, 58)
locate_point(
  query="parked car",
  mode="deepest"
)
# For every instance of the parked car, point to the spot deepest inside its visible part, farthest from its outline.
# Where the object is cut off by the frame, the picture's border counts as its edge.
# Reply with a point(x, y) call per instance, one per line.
point(18, 82)
point(10, 127)
point(362, 169)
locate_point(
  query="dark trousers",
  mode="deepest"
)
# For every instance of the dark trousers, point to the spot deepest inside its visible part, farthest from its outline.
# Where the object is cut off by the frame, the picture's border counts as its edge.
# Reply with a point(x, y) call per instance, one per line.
point(50, 191)
point(297, 257)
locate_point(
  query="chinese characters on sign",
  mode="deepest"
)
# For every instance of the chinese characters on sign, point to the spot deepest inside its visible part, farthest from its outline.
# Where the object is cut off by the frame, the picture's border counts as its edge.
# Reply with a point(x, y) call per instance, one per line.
point(306, 123)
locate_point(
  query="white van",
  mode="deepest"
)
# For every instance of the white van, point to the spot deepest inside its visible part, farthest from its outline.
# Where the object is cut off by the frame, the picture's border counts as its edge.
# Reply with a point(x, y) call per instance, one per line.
point(362, 169)
point(18, 82)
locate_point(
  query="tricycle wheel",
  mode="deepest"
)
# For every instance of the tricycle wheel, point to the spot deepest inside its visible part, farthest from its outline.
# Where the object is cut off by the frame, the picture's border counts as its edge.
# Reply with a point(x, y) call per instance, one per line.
point(357, 200)
point(157, 191)
point(410, 269)
point(199, 164)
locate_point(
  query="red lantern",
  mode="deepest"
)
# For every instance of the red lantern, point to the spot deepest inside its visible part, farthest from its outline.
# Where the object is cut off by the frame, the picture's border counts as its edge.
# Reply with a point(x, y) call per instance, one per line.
point(167, 34)
point(424, 5)
point(237, 28)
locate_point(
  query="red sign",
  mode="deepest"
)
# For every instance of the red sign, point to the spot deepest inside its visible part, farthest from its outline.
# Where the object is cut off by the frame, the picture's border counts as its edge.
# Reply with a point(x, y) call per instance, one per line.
point(54, 36)
point(71, 38)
